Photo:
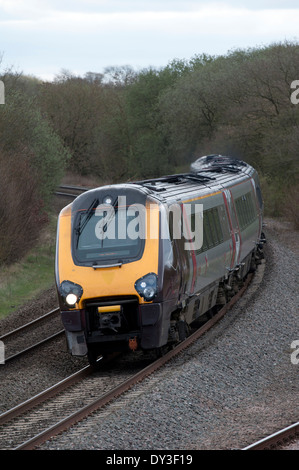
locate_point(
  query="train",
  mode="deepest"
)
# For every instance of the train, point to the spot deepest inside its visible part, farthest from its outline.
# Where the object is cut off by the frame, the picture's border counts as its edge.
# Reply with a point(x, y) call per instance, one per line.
point(138, 264)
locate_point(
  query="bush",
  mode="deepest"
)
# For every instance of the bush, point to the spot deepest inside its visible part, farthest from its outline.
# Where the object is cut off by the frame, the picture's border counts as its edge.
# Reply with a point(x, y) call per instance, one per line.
point(291, 206)
point(20, 207)
point(32, 160)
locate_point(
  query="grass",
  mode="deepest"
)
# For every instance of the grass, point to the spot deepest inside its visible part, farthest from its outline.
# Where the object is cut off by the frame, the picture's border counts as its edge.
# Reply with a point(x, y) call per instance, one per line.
point(24, 280)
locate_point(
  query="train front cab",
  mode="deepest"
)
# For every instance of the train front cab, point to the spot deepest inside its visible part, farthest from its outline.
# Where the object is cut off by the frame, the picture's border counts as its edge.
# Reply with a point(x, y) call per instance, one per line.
point(119, 305)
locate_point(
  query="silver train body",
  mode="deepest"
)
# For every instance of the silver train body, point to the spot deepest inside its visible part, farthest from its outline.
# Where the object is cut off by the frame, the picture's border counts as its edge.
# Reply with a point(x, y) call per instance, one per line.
point(148, 299)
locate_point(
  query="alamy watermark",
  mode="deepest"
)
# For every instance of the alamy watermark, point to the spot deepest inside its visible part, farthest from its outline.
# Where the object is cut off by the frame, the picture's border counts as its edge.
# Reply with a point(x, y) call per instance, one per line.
point(2, 353)
point(294, 95)
point(137, 221)
point(295, 353)
point(2, 92)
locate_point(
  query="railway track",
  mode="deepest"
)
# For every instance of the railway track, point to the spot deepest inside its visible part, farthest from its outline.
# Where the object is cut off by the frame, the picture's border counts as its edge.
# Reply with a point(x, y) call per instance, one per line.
point(16, 344)
point(277, 439)
point(66, 190)
point(33, 422)
point(32, 335)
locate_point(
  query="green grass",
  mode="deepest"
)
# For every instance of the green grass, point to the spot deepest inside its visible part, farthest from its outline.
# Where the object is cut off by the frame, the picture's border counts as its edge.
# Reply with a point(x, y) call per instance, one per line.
point(28, 277)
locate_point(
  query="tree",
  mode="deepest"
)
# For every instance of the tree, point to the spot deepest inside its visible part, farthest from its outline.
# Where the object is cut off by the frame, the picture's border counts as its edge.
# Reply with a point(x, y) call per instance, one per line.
point(32, 161)
point(73, 106)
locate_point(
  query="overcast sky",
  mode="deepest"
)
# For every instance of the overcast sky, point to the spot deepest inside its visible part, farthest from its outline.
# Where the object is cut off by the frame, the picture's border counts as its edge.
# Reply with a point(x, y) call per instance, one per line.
point(42, 37)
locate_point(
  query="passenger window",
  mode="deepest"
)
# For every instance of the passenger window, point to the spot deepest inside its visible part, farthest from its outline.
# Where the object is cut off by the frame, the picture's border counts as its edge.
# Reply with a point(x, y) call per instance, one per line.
point(212, 230)
point(245, 210)
point(217, 224)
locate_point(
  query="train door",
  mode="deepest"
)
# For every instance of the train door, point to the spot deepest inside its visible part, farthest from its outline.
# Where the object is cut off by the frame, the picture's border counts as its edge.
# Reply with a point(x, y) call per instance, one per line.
point(188, 258)
point(181, 261)
point(234, 227)
point(258, 202)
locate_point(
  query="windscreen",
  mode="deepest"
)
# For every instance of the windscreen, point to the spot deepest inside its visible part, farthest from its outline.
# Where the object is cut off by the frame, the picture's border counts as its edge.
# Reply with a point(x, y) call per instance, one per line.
point(104, 234)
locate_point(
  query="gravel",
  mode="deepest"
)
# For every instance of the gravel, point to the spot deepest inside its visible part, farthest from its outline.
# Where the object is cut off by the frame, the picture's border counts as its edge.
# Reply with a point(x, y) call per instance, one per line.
point(231, 388)
point(31, 374)
point(234, 386)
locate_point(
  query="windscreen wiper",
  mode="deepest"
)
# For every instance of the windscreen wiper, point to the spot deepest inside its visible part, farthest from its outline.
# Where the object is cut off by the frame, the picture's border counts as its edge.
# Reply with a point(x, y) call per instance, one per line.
point(88, 214)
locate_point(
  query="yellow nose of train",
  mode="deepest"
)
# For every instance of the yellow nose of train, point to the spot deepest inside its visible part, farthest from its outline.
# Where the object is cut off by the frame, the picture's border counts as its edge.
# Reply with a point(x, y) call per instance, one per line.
point(99, 278)
point(106, 268)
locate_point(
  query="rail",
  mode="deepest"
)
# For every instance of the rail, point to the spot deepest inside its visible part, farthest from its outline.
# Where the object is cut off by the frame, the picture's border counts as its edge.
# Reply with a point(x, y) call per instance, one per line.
point(276, 439)
point(126, 385)
point(34, 323)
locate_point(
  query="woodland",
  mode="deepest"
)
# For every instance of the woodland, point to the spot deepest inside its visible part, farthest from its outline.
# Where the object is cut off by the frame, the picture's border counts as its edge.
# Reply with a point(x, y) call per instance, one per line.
point(124, 125)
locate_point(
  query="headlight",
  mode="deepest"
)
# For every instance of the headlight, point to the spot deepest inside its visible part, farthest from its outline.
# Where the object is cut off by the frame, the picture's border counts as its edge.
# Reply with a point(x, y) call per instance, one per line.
point(147, 286)
point(70, 292)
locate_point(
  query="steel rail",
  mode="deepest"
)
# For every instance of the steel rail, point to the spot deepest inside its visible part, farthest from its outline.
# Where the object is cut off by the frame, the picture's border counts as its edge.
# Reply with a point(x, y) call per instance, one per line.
point(25, 327)
point(34, 346)
point(103, 400)
point(275, 439)
point(63, 190)
point(58, 193)
point(75, 188)
point(44, 395)
point(29, 324)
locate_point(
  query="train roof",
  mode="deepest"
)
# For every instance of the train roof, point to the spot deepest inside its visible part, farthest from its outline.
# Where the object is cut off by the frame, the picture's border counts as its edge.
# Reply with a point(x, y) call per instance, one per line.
point(207, 175)
point(218, 163)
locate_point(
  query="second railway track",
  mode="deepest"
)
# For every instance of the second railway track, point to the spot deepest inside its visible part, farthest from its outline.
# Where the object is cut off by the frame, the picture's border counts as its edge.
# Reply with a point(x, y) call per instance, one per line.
point(32, 334)
point(70, 191)
point(277, 440)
